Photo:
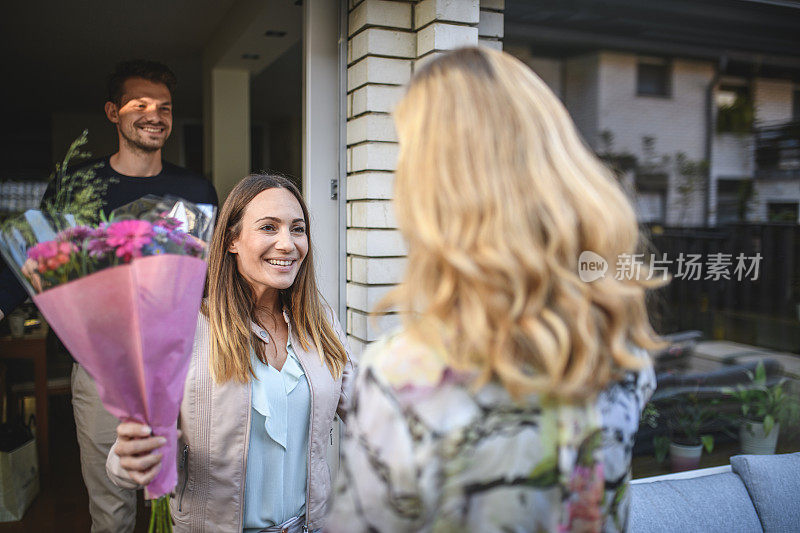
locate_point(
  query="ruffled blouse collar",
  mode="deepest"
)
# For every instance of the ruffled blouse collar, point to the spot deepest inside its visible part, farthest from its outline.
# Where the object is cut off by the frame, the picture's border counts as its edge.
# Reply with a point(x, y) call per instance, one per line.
point(272, 387)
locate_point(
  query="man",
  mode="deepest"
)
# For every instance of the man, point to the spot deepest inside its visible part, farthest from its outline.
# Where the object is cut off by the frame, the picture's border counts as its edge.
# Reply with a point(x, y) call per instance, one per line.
point(140, 104)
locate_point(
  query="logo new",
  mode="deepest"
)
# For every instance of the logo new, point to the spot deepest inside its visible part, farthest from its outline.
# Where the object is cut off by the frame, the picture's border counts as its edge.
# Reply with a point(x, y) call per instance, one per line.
point(591, 266)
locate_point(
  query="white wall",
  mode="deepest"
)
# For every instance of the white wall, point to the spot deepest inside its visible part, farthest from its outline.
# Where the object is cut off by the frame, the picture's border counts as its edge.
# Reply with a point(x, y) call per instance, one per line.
point(321, 143)
point(581, 95)
point(732, 157)
point(677, 123)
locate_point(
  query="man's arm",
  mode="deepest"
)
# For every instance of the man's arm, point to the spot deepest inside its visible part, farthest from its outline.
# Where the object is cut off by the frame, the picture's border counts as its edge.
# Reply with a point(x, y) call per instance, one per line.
point(12, 293)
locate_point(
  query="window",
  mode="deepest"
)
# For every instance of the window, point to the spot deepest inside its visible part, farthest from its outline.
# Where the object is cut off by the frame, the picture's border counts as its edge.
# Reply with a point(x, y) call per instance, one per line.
point(733, 196)
point(735, 112)
point(651, 197)
point(653, 77)
point(782, 212)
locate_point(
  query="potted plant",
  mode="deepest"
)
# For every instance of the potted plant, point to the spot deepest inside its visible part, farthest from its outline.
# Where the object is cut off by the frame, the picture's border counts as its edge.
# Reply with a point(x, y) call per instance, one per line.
point(650, 416)
point(687, 420)
point(763, 409)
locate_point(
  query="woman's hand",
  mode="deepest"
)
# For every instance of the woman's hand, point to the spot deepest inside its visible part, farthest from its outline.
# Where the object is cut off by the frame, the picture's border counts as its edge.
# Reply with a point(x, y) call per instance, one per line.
point(136, 447)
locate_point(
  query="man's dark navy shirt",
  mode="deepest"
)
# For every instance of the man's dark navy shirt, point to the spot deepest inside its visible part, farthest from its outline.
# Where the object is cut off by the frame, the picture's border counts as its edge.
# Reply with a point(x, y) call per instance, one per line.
point(172, 180)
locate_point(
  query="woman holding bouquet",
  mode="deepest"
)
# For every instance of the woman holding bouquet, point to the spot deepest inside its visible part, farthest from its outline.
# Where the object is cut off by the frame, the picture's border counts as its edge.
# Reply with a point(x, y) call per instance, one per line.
point(269, 371)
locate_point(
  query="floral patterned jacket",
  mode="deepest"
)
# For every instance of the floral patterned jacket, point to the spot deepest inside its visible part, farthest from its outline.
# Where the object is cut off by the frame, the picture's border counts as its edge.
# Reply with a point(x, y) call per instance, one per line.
point(424, 453)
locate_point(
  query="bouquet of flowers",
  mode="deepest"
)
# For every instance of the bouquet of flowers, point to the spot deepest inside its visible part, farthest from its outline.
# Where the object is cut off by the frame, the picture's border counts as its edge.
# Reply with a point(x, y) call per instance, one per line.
point(123, 294)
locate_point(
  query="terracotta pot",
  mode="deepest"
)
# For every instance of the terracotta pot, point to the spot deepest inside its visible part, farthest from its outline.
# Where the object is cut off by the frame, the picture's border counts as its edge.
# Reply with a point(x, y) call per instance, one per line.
point(753, 440)
point(684, 457)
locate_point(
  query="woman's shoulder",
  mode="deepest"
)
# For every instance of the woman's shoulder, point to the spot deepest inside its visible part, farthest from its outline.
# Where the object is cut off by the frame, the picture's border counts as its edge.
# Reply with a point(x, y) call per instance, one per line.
point(403, 363)
point(201, 334)
point(637, 385)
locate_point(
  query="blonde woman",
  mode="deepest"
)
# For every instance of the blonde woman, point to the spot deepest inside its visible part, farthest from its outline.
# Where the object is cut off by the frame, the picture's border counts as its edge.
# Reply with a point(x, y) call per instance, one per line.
point(268, 373)
point(509, 399)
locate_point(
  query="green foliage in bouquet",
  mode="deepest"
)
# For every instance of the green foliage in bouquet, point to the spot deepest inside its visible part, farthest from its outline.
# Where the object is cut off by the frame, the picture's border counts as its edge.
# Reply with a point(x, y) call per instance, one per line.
point(69, 237)
point(79, 192)
point(160, 518)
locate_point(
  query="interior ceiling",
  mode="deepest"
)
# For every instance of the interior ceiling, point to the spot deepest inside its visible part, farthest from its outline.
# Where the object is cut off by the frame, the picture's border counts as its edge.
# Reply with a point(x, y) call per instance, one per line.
point(56, 55)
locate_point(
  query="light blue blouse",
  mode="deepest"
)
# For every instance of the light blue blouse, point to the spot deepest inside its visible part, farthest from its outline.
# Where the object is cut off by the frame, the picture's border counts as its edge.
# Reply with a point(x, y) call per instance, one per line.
point(277, 458)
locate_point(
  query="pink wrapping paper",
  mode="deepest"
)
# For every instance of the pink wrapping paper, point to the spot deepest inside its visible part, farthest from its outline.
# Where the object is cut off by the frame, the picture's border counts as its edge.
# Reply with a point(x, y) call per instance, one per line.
point(132, 328)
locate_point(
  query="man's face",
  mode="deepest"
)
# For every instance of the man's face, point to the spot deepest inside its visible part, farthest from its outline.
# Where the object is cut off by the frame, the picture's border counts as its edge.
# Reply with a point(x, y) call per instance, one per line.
point(144, 116)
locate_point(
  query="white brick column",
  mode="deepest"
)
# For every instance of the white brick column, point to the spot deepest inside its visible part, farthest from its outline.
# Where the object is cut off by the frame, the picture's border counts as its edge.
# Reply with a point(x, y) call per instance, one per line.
point(386, 40)
point(490, 24)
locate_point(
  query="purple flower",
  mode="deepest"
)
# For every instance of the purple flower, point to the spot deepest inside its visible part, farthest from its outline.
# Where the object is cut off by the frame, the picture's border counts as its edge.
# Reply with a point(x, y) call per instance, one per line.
point(97, 245)
point(192, 246)
point(167, 222)
point(77, 235)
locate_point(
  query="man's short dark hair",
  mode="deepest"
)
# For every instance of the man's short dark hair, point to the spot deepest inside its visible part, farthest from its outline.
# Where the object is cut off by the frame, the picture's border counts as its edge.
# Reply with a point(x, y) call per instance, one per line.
point(138, 68)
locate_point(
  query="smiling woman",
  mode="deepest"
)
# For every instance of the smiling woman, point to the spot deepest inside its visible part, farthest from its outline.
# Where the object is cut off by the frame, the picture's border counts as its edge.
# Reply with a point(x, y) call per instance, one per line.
point(272, 244)
point(269, 372)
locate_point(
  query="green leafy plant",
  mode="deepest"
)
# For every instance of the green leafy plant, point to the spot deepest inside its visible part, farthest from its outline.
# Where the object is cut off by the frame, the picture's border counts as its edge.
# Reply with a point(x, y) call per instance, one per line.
point(765, 404)
point(661, 447)
point(650, 417)
point(688, 419)
point(692, 174)
point(619, 162)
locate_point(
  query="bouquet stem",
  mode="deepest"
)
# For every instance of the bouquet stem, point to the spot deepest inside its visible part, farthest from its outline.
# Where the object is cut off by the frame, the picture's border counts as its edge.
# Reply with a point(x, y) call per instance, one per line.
point(160, 518)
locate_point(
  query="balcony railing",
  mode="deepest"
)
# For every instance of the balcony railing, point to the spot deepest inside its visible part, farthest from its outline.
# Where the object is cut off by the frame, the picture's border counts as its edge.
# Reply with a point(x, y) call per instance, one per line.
point(778, 151)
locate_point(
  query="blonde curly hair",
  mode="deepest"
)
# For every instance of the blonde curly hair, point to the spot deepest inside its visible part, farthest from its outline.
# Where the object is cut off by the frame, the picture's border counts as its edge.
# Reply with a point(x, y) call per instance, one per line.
point(497, 197)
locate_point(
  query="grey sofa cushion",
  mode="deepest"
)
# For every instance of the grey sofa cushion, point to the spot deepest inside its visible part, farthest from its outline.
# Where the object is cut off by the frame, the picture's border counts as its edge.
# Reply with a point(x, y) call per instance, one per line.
point(773, 482)
point(714, 503)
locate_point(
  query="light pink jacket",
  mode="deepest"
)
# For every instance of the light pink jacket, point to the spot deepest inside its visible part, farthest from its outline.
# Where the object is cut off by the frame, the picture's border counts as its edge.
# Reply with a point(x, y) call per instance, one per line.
point(215, 421)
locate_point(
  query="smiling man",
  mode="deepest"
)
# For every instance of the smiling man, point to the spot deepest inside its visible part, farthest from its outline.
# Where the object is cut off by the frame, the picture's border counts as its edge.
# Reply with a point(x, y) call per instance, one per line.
point(139, 103)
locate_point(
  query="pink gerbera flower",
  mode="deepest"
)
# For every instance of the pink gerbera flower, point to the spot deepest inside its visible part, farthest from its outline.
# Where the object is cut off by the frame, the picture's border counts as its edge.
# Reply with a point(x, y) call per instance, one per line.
point(129, 237)
point(50, 255)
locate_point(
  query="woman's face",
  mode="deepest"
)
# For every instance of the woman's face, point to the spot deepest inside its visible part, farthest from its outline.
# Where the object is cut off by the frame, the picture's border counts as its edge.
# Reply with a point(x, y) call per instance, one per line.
point(272, 243)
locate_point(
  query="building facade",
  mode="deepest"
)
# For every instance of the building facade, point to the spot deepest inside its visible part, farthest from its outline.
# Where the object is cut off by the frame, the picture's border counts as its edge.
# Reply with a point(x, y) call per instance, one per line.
point(704, 114)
